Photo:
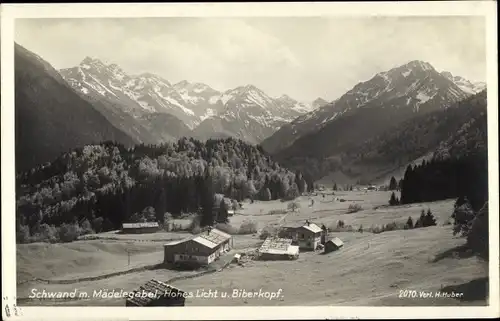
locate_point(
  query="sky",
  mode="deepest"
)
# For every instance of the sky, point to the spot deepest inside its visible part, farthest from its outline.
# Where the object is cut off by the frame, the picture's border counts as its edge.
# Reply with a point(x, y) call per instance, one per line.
point(303, 57)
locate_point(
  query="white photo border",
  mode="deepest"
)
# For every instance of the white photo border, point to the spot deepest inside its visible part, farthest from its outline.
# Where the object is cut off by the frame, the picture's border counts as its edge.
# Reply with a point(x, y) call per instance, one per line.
point(10, 12)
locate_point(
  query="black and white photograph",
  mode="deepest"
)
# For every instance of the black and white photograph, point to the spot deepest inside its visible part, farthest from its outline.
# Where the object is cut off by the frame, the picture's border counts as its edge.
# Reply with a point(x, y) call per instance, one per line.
point(250, 160)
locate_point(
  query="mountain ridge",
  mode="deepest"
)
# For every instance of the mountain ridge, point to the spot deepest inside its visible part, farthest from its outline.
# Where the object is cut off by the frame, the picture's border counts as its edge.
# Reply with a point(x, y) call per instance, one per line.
point(203, 109)
point(410, 87)
point(51, 118)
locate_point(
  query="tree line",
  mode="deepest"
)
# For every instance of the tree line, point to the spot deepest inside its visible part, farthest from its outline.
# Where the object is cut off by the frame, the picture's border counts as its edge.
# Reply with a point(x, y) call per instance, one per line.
point(453, 177)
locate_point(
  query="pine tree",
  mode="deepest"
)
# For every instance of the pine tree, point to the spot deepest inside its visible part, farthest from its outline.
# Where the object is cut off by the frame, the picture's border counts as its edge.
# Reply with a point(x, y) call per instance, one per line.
point(429, 219)
point(421, 220)
point(408, 185)
point(222, 216)
point(335, 186)
point(207, 215)
point(393, 185)
point(393, 200)
point(409, 223)
point(477, 238)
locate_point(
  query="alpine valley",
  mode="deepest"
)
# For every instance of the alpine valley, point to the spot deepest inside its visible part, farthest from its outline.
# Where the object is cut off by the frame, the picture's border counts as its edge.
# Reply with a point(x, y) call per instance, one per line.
point(345, 139)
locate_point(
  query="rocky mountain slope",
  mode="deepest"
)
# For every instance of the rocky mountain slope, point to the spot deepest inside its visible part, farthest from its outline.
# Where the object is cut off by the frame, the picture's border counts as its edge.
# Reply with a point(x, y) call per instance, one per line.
point(50, 117)
point(250, 114)
point(323, 137)
point(245, 112)
point(386, 99)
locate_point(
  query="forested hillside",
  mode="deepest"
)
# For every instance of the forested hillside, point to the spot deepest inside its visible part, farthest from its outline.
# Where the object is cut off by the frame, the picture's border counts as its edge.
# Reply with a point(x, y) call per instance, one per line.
point(429, 132)
point(99, 187)
point(459, 129)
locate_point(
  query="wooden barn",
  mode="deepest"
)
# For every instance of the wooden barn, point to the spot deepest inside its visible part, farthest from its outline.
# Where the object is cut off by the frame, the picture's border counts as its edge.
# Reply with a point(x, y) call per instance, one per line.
point(156, 293)
point(333, 245)
point(278, 249)
point(201, 249)
point(307, 236)
point(139, 228)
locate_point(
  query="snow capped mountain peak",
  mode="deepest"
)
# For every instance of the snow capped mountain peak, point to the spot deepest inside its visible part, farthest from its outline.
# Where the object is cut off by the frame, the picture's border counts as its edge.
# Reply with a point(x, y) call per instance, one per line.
point(286, 98)
point(464, 84)
point(90, 62)
point(194, 103)
point(318, 102)
point(418, 64)
point(181, 84)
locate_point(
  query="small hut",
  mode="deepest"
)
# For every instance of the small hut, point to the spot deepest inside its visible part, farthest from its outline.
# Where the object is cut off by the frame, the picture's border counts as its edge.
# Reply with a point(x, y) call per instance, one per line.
point(333, 245)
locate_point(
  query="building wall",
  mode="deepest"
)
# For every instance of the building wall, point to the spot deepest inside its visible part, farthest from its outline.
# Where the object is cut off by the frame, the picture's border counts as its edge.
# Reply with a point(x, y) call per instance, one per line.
point(198, 259)
point(273, 257)
point(191, 251)
point(308, 240)
point(289, 233)
point(140, 230)
point(330, 247)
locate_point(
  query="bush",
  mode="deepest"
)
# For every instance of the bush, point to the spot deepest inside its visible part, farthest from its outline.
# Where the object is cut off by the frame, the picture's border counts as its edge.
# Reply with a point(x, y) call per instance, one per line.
point(293, 206)
point(86, 227)
point(69, 232)
point(46, 233)
point(22, 234)
point(272, 212)
point(392, 226)
point(360, 229)
point(248, 227)
point(194, 226)
point(375, 229)
point(266, 232)
point(227, 228)
point(409, 223)
point(97, 224)
point(463, 216)
point(341, 227)
point(353, 208)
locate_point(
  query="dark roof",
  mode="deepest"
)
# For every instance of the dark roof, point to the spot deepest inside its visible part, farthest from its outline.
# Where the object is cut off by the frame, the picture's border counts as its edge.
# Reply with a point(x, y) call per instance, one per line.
point(153, 287)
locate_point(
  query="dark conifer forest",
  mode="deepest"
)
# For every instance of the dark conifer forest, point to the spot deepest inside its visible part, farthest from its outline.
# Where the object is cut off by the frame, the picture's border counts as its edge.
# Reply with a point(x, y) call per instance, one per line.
point(465, 176)
point(99, 187)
